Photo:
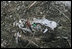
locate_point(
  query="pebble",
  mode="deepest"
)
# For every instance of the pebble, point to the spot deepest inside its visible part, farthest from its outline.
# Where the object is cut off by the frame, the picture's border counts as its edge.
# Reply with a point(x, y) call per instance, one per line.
point(58, 37)
point(58, 46)
point(60, 27)
point(40, 12)
point(15, 1)
point(2, 39)
point(18, 8)
point(13, 30)
point(10, 16)
point(53, 41)
point(23, 1)
point(2, 45)
point(66, 11)
point(9, 1)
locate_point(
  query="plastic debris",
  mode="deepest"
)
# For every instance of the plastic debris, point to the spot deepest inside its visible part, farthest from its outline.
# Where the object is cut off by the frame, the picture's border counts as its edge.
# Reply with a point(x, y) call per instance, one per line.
point(34, 25)
point(21, 24)
point(26, 29)
point(29, 26)
point(46, 22)
point(45, 30)
point(17, 35)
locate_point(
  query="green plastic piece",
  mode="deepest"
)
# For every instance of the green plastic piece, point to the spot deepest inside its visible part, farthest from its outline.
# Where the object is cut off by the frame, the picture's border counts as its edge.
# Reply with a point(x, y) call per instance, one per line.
point(34, 25)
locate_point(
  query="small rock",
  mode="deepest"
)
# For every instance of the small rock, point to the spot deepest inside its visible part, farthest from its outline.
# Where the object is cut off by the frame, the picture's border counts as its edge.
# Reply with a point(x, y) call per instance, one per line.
point(18, 8)
point(40, 12)
point(58, 37)
point(58, 46)
point(23, 1)
point(5, 43)
point(10, 16)
point(15, 1)
point(13, 30)
point(53, 41)
point(2, 39)
point(15, 35)
point(66, 11)
point(60, 27)
point(9, 1)
point(2, 45)
point(7, 4)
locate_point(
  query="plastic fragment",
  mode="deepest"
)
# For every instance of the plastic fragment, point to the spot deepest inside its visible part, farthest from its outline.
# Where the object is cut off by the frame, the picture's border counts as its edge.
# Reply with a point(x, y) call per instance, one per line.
point(45, 30)
point(17, 35)
point(46, 22)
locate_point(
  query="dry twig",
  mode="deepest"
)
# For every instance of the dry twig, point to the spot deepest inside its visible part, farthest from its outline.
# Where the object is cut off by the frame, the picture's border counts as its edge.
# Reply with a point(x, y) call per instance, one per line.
point(32, 4)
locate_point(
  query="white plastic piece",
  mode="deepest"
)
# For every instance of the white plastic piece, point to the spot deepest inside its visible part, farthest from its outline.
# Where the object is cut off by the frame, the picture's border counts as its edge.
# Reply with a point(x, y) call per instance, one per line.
point(46, 22)
point(17, 35)
point(43, 21)
point(20, 24)
point(45, 30)
point(26, 29)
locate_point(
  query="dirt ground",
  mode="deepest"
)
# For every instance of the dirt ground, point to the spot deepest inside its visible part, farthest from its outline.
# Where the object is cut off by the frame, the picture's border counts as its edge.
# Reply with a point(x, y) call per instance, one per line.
point(12, 11)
